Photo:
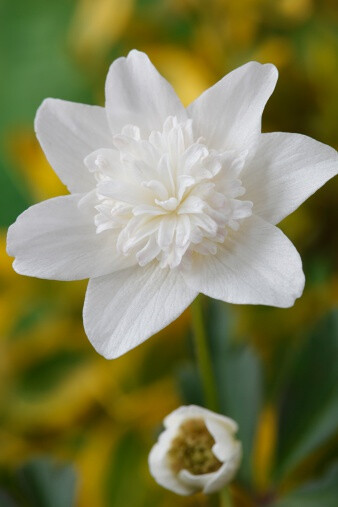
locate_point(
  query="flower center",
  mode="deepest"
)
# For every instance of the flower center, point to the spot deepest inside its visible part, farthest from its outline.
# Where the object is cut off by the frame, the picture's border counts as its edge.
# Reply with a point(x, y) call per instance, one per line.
point(169, 195)
point(191, 449)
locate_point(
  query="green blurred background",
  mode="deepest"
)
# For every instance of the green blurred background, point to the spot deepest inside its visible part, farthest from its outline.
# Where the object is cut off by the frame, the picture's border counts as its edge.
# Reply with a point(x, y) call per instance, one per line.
point(76, 429)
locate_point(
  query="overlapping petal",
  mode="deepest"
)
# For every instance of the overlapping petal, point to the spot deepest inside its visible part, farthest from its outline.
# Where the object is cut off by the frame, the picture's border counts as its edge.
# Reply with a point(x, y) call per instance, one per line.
point(137, 94)
point(228, 115)
point(256, 265)
point(68, 132)
point(124, 309)
point(284, 170)
point(56, 240)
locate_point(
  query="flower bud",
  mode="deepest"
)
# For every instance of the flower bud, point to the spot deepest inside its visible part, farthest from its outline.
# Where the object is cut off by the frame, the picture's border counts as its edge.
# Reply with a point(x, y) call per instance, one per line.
point(197, 451)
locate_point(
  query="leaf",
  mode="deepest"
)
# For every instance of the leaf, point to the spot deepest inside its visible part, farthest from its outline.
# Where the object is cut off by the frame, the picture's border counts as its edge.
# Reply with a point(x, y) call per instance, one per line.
point(44, 483)
point(238, 377)
point(189, 385)
point(35, 313)
point(323, 492)
point(309, 408)
point(34, 58)
point(35, 63)
point(124, 482)
point(6, 500)
point(13, 199)
point(44, 375)
point(239, 380)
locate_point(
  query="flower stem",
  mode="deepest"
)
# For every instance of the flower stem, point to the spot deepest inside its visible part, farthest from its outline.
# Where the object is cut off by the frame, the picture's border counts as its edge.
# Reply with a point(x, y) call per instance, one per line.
point(203, 356)
point(225, 498)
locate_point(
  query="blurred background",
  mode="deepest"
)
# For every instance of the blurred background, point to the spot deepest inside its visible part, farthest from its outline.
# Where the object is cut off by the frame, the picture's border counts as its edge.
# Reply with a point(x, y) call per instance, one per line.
point(75, 429)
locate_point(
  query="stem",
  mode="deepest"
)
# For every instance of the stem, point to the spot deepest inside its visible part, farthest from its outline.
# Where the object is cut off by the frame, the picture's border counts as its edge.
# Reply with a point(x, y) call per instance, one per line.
point(204, 362)
point(225, 498)
point(203, 356)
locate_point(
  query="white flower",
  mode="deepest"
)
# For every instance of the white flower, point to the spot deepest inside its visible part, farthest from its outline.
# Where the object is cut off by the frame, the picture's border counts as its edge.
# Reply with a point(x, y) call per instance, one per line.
point(196, 452)
point(167, 202)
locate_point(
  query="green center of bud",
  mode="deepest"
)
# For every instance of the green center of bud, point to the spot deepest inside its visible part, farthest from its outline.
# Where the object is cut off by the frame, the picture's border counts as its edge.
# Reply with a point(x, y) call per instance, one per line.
point(191, 449)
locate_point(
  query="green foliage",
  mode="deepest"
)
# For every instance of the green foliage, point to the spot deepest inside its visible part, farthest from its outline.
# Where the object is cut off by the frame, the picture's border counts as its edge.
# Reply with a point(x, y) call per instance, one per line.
point(239, 379)
point(44, 375)
point(238, 376)
point(124, 482)
point(13, 197)
point(35, 59)
point(41, 483)
point(309, 406)
point(319, 493)
point(35, 63)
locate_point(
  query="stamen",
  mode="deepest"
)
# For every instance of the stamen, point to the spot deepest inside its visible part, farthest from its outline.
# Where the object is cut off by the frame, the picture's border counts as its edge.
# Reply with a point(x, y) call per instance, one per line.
point(191, 449)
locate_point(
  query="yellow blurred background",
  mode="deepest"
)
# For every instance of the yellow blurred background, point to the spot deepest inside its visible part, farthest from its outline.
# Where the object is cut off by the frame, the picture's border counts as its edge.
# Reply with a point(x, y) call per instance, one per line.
point(58, 396)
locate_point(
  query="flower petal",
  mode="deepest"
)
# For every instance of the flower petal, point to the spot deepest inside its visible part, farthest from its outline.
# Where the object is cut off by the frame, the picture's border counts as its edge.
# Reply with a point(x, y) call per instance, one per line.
point(158, 464)
point(68, 132)
point(55, 240)
point(229, 113)
point(196, 482)
point(124, 309)
point(256, 265)
point(137, 94)
point(175, 418)
point(284, 170)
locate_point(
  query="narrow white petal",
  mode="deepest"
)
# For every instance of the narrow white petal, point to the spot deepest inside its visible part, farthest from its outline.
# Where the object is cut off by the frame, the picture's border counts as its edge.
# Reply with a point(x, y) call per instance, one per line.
point(124, 309)
point(68, 132)
point(55, 239)
point(256, 265)
point(229, 113)
point(106, 162)
point(284, 170)
point(137, 94)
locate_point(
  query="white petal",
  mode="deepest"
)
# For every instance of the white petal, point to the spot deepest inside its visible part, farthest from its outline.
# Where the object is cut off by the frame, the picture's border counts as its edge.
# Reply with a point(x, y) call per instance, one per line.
point(225, 474)
point(175, 418)
point(284, 170)
point(256, 265)
point(137, 94)
point(195, 482)
point(158, 465)
point(124, 309)
point(55, 240)
point(229, 113)
point(105, 161)
point(68, 132)
point(227, 449)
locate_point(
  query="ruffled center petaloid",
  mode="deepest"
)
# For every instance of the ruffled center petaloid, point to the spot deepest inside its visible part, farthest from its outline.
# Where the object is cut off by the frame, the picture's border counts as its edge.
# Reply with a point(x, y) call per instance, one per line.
point(169, 195)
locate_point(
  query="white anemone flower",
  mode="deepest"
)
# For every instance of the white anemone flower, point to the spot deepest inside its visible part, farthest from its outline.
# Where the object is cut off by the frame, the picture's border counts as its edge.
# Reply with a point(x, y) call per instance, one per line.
point(197, 451)
point(168, 202)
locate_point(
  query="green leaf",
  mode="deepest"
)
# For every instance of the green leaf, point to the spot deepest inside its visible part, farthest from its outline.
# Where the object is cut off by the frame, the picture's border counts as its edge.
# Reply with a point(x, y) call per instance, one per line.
point(125, 484)
point(13, 198)
point(47, 484)
point(35, 313)
point(189, 384)
point(238, 375)
point(35, 63)
point(39, 378)
point(6, 500)
point(309, 408)
point(320, 493)
point(35, 59)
